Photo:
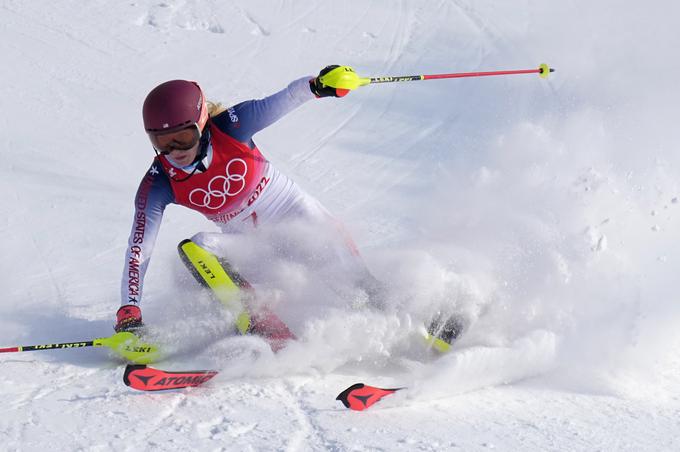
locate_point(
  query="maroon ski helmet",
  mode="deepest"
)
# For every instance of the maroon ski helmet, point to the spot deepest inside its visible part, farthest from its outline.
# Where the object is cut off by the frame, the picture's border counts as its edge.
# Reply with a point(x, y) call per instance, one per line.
point(174, 105)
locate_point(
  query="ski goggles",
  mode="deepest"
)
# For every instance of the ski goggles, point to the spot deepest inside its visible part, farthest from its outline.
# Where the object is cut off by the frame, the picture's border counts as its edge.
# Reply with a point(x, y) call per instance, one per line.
point(180, 140)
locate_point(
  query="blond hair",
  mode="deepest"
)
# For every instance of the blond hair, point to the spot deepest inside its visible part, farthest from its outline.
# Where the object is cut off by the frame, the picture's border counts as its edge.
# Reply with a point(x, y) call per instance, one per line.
point(215, 108)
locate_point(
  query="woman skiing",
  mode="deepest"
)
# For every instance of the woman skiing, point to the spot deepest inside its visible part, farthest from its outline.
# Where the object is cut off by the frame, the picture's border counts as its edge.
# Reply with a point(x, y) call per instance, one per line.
point(206, 160)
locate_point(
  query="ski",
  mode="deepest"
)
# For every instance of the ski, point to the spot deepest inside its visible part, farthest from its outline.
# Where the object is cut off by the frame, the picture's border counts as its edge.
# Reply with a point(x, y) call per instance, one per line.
point(234, 292)
point(359, 396)
point(144, 378)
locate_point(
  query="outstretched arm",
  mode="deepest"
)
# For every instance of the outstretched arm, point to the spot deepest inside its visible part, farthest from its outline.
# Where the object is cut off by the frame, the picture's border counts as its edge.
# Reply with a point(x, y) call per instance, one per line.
point(244, 120)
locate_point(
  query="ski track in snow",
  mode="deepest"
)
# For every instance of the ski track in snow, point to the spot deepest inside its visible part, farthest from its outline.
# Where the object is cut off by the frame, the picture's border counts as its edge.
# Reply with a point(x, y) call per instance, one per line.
point(544, 212)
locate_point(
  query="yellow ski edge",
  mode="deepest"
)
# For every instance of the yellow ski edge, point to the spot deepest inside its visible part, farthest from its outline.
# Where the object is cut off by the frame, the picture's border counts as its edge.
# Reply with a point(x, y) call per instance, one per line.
point(436, 343)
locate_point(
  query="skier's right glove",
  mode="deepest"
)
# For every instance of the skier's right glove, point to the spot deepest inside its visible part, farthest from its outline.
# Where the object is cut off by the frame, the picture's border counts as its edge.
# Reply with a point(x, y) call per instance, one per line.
point(321, 90)
point(129, 318)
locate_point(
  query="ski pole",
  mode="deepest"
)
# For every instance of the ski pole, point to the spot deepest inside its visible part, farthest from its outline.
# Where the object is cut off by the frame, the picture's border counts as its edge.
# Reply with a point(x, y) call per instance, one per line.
point(125, 344)
point(31, 348)
point(344, 77)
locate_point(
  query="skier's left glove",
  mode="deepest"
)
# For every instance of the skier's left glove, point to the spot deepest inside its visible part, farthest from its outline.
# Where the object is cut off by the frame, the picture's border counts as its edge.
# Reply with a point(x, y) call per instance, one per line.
point(321, 90)
point(129, 318)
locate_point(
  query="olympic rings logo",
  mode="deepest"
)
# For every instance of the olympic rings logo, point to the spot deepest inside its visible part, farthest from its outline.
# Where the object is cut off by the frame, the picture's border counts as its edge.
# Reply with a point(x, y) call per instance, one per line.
point(220, 188)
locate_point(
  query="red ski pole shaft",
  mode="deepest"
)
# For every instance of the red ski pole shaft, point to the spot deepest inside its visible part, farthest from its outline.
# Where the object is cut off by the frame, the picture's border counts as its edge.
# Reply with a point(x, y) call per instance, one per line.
point(542, 70)
point(481, 74)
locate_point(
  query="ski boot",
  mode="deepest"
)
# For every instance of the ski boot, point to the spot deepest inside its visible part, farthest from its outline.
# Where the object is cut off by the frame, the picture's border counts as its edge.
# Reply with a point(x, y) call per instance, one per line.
point(443, 331)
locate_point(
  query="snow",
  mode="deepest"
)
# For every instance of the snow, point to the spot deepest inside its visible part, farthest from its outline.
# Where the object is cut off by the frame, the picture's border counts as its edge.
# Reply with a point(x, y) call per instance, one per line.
point(545, 211)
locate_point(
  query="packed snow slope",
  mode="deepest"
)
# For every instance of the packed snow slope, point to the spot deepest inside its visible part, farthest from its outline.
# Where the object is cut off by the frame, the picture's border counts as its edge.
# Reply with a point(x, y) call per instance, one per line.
point(544, 212)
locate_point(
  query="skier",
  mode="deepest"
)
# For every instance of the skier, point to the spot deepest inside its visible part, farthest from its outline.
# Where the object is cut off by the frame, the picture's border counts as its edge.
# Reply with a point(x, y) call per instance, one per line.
point(206, 160)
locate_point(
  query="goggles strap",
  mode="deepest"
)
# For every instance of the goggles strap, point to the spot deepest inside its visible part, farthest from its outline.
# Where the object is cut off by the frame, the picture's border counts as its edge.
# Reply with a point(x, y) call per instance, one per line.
point(203, 148)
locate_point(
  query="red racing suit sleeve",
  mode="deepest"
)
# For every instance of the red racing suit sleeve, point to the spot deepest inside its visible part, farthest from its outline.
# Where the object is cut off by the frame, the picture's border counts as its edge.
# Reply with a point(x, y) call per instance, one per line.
point(153, 195)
